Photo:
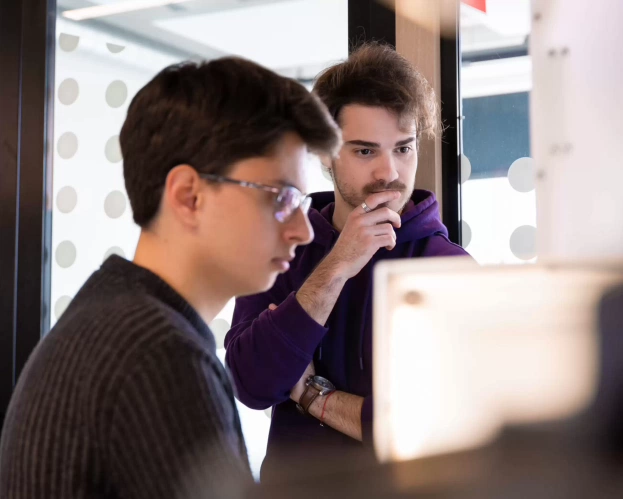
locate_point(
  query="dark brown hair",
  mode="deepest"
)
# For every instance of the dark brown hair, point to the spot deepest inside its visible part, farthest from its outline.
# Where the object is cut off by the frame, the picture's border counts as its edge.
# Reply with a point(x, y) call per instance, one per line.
point(210, 115)
point(376, 75)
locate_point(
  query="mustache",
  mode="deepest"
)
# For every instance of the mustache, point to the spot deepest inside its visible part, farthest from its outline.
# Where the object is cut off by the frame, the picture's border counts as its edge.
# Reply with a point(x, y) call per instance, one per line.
point(381, 185)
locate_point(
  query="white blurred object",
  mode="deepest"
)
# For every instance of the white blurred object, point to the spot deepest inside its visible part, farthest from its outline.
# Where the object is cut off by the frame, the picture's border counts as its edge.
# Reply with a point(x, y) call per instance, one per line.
point(461, 350)
point(509, 17)
point(576, 127)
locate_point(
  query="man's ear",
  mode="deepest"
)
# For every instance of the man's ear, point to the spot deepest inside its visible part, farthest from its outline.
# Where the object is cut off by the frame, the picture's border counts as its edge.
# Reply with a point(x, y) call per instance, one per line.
point(327, 166)
point(181, 196)
point(326, 160)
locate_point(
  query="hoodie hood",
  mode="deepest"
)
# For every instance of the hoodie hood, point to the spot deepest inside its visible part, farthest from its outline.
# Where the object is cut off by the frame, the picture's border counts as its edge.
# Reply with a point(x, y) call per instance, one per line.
point(420, 218)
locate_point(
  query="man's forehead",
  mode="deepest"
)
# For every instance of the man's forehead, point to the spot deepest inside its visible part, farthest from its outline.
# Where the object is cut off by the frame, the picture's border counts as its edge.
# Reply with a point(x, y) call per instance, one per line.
point(357, 119)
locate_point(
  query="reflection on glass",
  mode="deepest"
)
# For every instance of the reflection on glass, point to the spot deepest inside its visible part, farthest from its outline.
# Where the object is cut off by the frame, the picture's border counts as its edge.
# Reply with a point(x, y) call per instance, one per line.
point(497, 182)
point(106, 51)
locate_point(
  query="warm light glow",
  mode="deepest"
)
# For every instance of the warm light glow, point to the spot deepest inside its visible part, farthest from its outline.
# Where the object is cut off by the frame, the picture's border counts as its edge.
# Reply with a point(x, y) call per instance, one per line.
point(116, 8)
point(438, 410)
point(480, 348)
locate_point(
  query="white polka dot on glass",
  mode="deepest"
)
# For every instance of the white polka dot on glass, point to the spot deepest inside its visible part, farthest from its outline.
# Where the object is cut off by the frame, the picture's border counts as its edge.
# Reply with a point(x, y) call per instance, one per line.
point(219, 328)
point(466, 168)
point(112, 150)
point(523, 242)
point(67, 42)
point(67, 145)
point(115, 250)
point(65, 254)
point(115, 204)
point(116, 94)
point(114, 48)
point(66, 199)
point(61, 305)
point(68, 91)
point(466, 234)
point(521, 175)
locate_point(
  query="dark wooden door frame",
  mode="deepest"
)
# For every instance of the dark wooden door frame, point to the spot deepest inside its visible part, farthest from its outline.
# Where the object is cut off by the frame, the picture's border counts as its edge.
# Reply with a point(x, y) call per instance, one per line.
point(27, 37)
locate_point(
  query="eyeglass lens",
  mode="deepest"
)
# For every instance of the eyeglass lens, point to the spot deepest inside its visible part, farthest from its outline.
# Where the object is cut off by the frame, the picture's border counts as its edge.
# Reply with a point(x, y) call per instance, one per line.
point(288, 202)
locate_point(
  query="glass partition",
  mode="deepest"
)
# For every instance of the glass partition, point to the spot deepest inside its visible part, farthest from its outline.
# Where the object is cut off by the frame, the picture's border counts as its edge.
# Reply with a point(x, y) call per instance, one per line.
point(498, 197)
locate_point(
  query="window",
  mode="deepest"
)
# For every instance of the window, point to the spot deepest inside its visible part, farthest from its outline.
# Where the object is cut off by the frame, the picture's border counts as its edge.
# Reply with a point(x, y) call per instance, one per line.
point(498, 197)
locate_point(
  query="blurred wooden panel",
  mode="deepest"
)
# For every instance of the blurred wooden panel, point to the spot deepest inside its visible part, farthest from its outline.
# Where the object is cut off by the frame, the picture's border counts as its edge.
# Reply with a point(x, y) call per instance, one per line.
point(417, 38)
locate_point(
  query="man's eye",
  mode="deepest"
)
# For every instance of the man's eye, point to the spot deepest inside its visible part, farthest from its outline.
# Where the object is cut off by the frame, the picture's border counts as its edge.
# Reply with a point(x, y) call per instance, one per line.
point(364, 152)
point(404, 150)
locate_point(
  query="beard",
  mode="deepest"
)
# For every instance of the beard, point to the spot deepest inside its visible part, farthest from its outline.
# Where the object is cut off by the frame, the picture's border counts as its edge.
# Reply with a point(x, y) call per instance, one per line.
point(355, 198)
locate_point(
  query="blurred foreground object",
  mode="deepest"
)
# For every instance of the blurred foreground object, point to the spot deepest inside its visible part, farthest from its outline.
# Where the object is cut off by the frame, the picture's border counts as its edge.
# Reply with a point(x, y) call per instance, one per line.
point(576, 131)
point(462, 351)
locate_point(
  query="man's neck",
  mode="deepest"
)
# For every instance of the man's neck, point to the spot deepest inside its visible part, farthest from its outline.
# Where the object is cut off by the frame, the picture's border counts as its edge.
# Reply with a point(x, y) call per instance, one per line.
point(158, 256)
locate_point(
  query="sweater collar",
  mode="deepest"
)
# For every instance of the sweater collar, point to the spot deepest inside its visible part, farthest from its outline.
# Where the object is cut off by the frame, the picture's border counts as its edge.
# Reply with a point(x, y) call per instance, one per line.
point(141, 279)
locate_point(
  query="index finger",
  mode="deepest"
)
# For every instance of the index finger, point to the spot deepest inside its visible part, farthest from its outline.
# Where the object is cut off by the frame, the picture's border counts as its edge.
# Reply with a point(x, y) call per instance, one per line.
point(373, 201)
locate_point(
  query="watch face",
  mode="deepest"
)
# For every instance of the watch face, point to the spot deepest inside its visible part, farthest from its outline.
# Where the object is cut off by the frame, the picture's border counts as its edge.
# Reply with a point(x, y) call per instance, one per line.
point(322, 383)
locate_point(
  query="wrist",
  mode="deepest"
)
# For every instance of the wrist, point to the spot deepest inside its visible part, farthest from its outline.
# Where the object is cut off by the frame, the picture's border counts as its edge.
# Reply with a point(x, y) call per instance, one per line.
point(315, 410)
point(296, 394)
point(316, 391)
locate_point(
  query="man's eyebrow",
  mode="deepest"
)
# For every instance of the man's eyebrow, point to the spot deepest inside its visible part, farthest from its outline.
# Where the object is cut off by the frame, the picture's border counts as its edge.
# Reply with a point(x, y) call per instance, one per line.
point(405, 142)
point(363, 143)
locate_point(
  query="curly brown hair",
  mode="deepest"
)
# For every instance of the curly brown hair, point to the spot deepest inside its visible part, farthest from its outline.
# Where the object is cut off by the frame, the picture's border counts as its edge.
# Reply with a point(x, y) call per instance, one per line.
point(376, 75)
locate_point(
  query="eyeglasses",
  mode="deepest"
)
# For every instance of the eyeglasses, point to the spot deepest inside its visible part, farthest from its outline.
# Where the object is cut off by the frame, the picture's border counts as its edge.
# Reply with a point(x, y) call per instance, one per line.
point(288, 199)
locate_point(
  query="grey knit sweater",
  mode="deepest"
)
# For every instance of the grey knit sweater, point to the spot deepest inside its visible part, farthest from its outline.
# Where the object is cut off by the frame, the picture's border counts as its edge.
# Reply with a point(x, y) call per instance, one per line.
point(124, 398)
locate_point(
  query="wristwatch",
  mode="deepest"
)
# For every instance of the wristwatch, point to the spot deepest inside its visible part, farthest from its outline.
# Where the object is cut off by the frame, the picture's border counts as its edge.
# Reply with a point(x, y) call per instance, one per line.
point(316, 386)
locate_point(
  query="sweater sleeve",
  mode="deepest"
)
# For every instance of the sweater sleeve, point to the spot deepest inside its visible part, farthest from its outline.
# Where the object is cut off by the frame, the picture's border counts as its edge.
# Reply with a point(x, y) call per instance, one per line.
point(268, 351)
point(175, 431)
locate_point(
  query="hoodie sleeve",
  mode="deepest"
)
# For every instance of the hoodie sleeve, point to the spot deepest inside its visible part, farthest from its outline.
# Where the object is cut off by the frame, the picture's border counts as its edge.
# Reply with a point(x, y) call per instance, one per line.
point(268, 351)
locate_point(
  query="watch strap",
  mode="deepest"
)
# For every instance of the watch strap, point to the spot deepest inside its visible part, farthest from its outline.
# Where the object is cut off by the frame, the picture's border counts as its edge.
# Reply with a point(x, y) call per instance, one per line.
point(310, 394)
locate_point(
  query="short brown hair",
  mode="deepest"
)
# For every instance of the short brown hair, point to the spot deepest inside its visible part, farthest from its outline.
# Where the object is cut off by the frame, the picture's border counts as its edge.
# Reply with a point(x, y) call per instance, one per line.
point(210, 115)
point(376, 75)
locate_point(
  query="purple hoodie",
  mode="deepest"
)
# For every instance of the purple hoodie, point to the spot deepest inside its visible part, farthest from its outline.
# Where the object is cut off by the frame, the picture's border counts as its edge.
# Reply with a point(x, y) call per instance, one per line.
point(268, 351)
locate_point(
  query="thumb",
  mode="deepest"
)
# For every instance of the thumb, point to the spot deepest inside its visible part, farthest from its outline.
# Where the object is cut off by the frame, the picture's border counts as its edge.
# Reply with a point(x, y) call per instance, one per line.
point(272, 306)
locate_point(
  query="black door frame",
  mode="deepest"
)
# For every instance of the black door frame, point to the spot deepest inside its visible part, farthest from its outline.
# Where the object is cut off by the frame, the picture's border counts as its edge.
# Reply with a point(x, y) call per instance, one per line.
point(10, 34)
point(27, 35)
point(452, 120)
point(370, 20)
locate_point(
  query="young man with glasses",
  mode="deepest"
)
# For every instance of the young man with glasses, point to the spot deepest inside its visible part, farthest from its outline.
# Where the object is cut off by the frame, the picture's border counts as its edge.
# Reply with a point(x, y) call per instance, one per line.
point(305, 346)
point(125, 397)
